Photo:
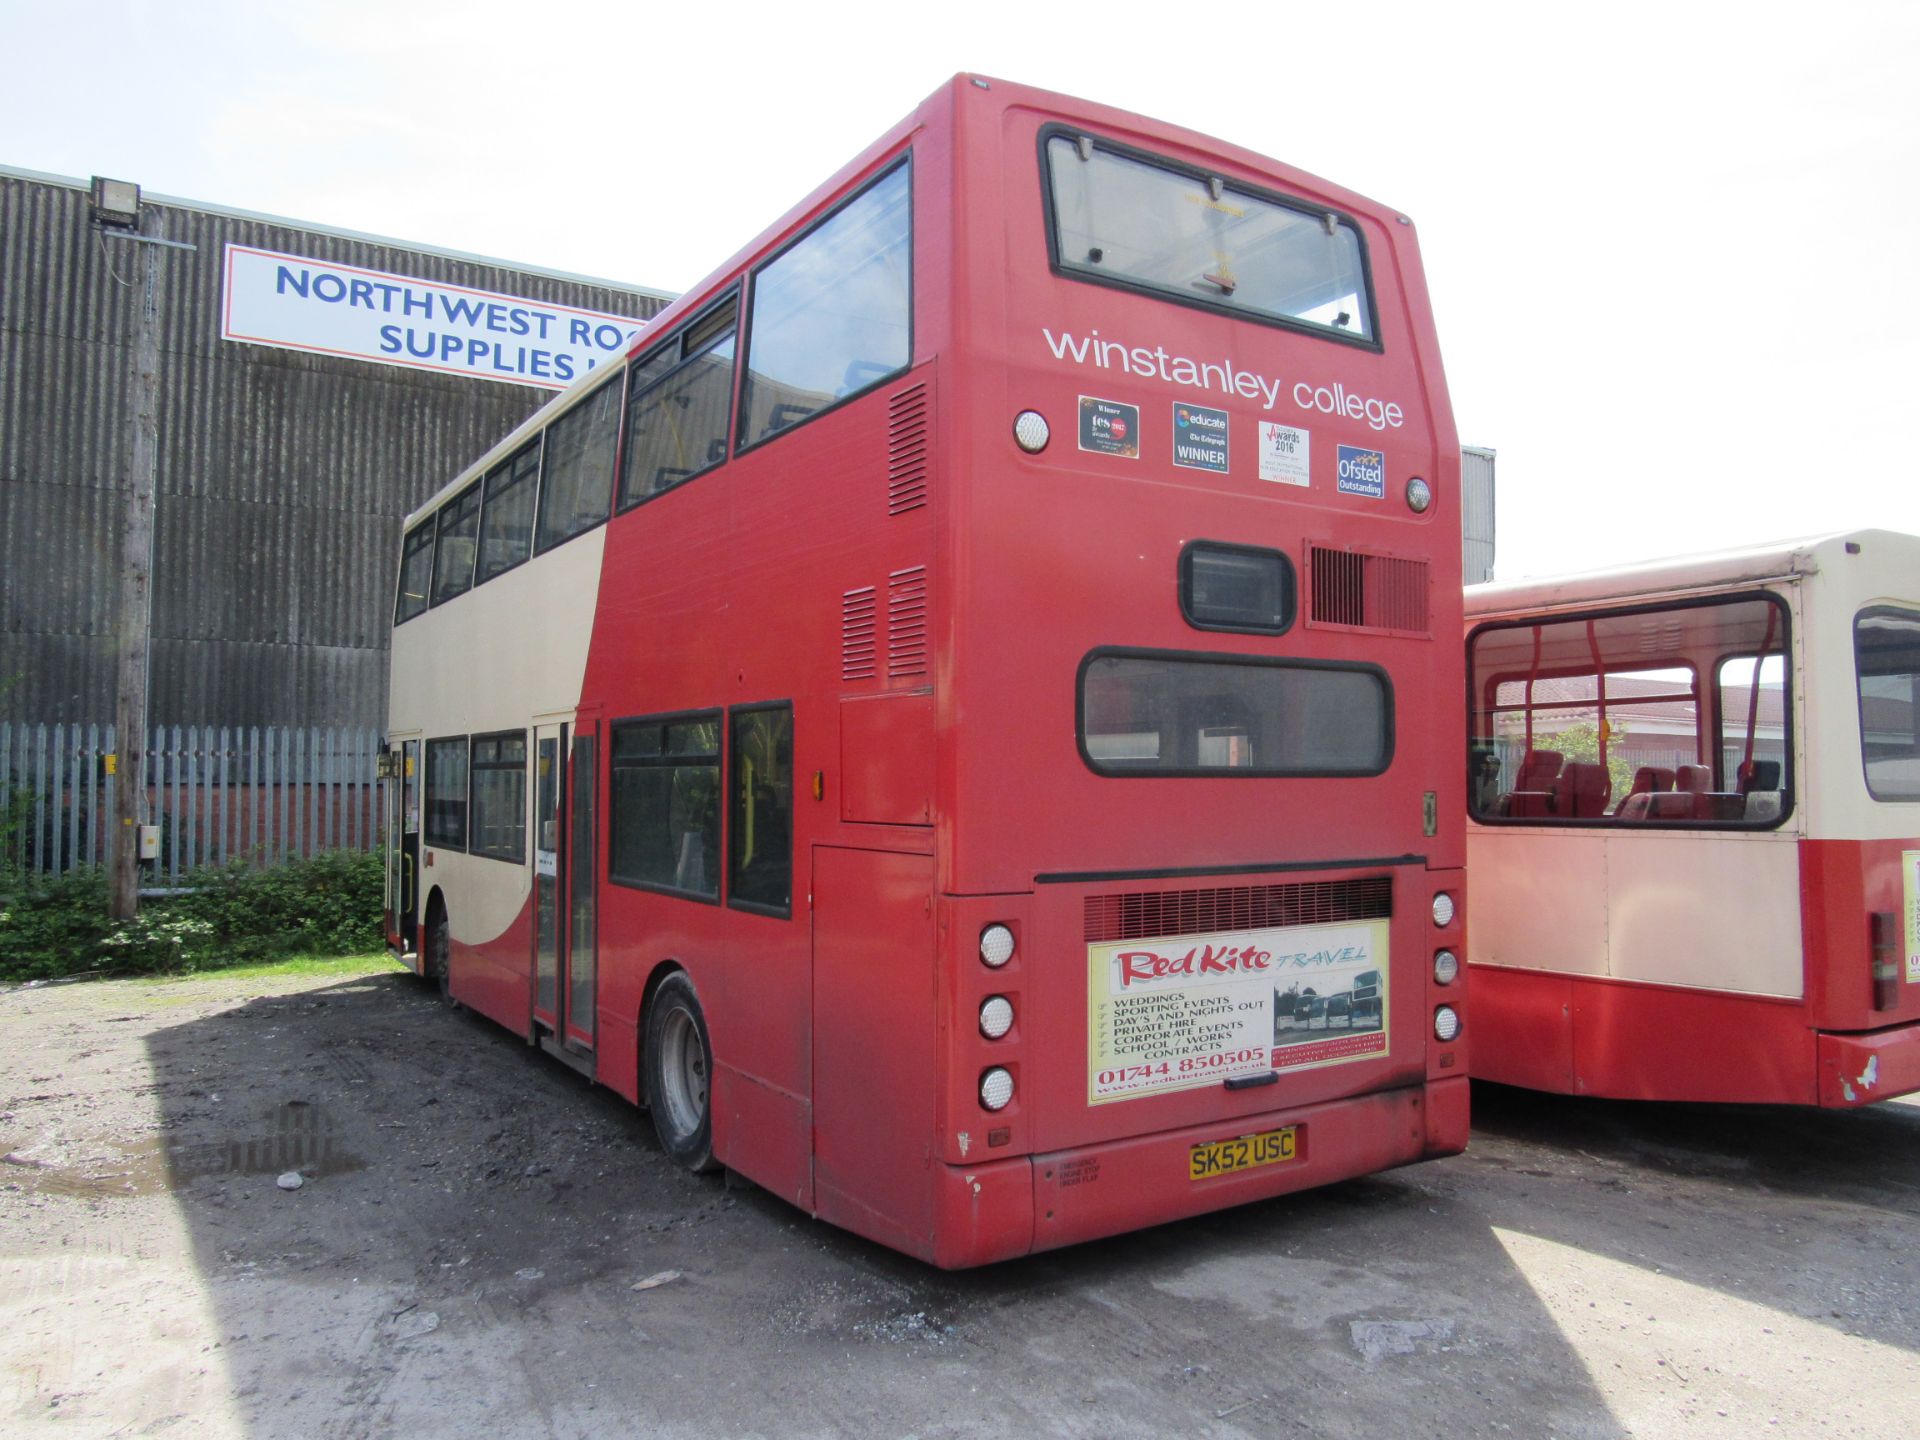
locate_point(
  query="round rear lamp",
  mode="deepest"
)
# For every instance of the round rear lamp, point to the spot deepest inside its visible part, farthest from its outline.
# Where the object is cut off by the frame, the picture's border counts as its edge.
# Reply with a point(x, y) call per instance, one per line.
point(1031, 432)
point(996, 946)
point(1446, 1026)
point(996, 1088)
point(996, 1016)
point(1446, 967)
point(1443, 909)
point(1419, 495)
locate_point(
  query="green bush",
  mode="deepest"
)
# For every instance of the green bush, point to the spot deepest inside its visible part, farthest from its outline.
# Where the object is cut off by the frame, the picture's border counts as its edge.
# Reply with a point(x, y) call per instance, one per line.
point(229, 915)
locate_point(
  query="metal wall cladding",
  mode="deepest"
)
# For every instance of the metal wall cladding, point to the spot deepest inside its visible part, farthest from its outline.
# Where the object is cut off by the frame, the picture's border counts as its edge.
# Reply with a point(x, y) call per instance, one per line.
point(282, 478)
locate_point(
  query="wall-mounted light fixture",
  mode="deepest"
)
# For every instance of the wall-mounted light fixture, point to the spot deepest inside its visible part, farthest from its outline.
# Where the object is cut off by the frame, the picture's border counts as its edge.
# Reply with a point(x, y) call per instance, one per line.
point(115, 202)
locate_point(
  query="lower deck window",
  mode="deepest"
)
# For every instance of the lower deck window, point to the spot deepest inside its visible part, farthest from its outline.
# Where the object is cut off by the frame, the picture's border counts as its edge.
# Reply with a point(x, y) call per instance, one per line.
point(665, 805)
point(500, 796)
point(760, 866)
point(447, 793)
point(1160, 713)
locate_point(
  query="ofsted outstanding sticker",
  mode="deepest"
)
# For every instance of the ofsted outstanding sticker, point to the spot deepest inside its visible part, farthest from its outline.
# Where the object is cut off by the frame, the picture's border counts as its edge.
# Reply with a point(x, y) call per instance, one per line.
point(1109, 428)
point(1363, 472)
point(1283, 453)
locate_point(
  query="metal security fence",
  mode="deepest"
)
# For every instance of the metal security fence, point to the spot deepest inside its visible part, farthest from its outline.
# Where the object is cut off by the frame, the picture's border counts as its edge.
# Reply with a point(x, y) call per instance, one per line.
point(217, 793)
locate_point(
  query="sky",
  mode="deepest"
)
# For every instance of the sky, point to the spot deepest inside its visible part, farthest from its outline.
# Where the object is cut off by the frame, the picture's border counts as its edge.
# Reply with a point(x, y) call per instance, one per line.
point(1671, 248)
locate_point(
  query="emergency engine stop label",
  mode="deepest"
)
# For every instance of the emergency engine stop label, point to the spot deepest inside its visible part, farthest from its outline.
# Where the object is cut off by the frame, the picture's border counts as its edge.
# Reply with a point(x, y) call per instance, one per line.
point(1193, 1010)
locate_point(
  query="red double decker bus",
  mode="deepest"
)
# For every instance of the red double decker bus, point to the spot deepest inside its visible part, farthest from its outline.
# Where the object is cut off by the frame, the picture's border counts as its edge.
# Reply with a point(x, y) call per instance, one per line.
point(963, 723)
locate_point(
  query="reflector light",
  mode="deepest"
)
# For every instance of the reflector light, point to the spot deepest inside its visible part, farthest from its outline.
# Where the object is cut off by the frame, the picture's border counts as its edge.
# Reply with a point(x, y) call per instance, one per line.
point(996, 1016)
point(1443, 909)
point(1446, 1025)
point(996, 1089)
point(996, 945)
point(1446, 967)
point(1031, 431)
point(1419, 495)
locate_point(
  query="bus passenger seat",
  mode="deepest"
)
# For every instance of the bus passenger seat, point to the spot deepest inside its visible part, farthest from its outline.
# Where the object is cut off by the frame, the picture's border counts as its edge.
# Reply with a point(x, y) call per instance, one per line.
point(1538, 770)
point(1584, 789)
point(1762, 807)
point(1693, 779)
point(1759, 775)
point(1673, 805)
point(1636, 805)
point(1527, 804)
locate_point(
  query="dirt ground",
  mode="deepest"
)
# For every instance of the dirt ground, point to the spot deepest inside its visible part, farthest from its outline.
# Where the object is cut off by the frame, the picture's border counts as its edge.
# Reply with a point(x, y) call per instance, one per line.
point(467, 1252)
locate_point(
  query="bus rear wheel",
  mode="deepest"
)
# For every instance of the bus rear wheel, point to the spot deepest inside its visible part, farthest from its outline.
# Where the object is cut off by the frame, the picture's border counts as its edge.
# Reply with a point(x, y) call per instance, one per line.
point(679, 1068)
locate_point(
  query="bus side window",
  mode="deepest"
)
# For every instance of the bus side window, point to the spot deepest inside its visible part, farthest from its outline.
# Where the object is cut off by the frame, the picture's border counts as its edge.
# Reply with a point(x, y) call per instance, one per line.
point(760, 862)
point(832, 313)
point(678, 408)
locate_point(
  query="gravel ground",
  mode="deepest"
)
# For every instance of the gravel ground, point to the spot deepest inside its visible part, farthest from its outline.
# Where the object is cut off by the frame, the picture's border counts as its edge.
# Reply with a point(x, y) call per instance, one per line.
point(481, 1242)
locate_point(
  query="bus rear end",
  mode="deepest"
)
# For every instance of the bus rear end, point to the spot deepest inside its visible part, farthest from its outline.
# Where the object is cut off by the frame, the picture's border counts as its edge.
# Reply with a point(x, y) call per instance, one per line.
point(1200, 898)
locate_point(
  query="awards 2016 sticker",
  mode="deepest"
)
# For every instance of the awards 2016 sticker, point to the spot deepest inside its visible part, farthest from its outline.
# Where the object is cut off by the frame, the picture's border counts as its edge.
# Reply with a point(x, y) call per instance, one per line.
point(1179, 1013)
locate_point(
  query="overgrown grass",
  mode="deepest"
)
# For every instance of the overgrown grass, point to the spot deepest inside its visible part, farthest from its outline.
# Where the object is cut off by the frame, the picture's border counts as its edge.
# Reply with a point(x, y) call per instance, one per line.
point(326, 907)
point(304, 967)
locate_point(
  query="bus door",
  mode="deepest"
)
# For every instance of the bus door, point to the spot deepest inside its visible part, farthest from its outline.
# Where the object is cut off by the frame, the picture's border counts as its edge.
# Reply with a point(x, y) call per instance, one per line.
point(582, 948)
point(401, 773)
point(549, 934)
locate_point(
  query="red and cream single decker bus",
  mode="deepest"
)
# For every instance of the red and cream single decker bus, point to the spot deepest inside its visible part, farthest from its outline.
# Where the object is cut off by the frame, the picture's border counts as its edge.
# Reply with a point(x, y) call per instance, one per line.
point(1695, 833)
point(963, 722)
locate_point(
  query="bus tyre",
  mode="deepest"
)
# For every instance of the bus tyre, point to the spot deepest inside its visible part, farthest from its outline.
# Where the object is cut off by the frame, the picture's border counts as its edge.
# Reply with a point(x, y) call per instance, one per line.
point(679, 1064)
point(439, 955)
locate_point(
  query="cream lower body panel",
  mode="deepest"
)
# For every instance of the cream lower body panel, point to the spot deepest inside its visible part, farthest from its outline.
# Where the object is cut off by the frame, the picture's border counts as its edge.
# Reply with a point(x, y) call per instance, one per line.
point(1711, 911)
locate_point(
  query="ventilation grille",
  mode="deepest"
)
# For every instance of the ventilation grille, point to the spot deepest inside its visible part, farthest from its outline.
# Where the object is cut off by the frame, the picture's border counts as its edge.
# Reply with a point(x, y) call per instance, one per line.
point(1242, 907)
point(907, 450)
point(1358, 591)
point(907, 622)
point(858, 613)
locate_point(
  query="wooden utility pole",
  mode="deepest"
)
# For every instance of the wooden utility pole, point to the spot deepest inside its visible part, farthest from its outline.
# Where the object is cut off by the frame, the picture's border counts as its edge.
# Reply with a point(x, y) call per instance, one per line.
point(136, 583)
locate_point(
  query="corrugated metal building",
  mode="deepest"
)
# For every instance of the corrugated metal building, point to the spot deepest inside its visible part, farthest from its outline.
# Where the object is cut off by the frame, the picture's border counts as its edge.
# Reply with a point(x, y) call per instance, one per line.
point(282, 474)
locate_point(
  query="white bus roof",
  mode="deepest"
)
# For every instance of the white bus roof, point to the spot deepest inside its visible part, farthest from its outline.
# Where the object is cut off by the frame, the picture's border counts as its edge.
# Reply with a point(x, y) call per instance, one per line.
point(1772, 560)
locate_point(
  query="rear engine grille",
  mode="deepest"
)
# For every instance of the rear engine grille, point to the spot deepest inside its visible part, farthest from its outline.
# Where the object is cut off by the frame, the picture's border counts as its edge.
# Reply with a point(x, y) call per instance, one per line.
point(907, 427)
point(1358, 591)
point(858, 612)
point(1240, 907)
point(907, 622)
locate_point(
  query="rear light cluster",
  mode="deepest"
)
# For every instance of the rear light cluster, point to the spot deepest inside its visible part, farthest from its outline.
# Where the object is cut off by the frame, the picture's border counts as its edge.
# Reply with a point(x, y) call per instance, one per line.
point(1446, 970)
point(996, 1017)
point(1883, 936)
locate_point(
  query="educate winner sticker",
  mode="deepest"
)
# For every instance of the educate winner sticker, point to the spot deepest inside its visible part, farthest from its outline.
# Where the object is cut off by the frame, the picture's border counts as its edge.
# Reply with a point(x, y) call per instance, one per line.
point(1363, 472)
point(1200, 438)
point(1109, 428)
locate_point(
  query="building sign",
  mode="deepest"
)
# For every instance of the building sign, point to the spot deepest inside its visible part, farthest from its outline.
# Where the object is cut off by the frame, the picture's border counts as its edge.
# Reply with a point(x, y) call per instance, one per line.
point(1175, 1014)
point(290, 303)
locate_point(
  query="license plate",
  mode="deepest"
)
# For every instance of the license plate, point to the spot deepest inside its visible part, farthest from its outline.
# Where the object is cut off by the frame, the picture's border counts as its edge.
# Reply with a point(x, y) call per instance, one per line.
point(1223, 1157)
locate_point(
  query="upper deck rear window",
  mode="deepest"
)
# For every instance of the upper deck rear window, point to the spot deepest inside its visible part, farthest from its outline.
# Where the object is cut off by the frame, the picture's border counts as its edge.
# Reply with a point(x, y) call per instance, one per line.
point(1199, 239)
